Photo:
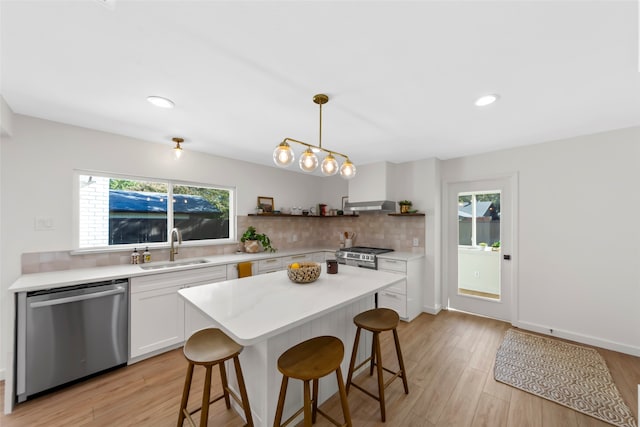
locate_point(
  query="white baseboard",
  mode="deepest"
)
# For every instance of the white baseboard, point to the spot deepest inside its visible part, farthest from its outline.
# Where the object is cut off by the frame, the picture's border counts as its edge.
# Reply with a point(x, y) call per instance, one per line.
point(432, 310)
point(581, 338)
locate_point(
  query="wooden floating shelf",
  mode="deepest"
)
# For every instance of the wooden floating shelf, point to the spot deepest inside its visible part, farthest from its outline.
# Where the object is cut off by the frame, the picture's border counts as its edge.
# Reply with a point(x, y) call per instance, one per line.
point(268, 215)
point(406, 214)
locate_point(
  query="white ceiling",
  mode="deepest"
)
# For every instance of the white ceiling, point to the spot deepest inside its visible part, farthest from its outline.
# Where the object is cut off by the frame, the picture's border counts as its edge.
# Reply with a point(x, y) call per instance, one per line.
point(401, 76)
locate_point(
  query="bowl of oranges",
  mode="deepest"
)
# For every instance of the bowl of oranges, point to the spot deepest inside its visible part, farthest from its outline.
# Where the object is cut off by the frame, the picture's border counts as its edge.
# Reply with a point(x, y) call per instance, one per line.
point(303, 272)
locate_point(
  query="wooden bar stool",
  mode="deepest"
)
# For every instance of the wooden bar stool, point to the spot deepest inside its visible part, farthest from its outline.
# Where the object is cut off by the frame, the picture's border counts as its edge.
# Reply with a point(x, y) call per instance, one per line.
point(377, 320)
point(307, 361)
point(210, 347)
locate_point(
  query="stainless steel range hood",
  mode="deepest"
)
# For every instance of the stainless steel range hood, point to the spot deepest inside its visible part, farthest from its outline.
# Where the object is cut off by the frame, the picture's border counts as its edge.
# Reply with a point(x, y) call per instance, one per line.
point(374, 206)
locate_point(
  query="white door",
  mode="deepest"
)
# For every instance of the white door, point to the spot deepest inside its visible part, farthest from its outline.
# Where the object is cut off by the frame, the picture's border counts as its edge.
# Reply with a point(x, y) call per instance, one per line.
point(479, 223)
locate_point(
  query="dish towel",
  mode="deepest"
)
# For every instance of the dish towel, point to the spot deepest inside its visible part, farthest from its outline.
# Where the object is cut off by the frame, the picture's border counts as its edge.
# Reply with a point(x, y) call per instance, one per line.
point(244, 269)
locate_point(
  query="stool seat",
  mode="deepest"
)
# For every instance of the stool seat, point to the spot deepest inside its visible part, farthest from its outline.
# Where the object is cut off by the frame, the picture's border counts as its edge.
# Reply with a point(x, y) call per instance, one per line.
point(210, 346)
point(377, 320)
point(311, 359)
point(207, 348)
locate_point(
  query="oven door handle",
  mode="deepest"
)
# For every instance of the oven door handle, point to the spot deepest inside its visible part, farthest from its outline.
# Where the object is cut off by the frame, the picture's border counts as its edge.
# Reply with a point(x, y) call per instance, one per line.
point(84, 297)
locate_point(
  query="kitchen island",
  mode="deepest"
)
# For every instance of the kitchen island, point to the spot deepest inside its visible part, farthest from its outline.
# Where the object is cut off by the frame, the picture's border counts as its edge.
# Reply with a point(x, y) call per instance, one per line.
point(269, 314)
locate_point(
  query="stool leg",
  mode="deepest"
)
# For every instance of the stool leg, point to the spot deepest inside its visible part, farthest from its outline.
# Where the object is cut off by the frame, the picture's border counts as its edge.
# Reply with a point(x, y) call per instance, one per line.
point(314, 408)
point(225, 384)
point(307, 404)
point(206, 394)
point(401, 361)
point(243, 392)
point(373, 355)
point(283, 392)
point(353, 359)
point(376, 343)
point(185, 394)
point(343, 397)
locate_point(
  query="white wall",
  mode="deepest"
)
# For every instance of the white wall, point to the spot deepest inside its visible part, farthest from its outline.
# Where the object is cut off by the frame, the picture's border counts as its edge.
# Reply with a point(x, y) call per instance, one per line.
point(419, 181)
point(578, 255)
point(36, 178)
point(6, 129)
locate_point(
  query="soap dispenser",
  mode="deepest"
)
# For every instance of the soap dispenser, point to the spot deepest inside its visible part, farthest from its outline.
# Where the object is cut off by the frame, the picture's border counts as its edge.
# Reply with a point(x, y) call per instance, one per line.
point(146, 255)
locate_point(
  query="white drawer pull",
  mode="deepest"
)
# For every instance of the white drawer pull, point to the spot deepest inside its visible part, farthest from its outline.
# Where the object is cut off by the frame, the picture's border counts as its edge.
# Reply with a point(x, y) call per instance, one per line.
point(391, 295)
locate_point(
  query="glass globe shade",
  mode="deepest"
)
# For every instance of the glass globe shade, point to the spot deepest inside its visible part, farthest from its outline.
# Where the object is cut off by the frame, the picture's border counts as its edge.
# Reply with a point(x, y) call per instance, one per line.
point(347, 170)
point(177, 151)
point(283, 155)
point(329, 165)
point(308, 161)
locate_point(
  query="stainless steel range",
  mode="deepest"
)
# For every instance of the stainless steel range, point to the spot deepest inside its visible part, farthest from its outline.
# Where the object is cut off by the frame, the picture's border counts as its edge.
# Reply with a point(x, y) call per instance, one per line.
point(361, 256)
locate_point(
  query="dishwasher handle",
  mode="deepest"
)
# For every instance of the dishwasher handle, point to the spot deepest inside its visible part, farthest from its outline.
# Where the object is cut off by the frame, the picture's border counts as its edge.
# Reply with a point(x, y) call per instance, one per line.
point(65, 300)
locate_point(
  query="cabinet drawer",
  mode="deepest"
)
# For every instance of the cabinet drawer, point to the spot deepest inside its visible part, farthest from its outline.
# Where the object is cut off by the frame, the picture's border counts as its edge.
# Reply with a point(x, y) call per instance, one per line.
point(393, 301)
point(178, 278)
point(296, 258)
point(398, 288)
point(271, 264)
point(392, 265)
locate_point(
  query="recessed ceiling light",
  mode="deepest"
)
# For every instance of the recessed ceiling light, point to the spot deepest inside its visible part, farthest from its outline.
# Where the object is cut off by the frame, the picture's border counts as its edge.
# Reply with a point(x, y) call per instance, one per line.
point(485, 100)
point(161, 102)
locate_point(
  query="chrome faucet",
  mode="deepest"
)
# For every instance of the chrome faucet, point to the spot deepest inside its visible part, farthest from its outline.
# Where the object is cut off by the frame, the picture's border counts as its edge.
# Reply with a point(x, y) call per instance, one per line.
point(174, 249)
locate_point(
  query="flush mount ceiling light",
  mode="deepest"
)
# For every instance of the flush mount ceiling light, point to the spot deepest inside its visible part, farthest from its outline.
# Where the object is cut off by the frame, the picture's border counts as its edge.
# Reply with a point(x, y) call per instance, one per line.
point(485, 100)
point(161, 102)
point(283, 154)
point(177, 150)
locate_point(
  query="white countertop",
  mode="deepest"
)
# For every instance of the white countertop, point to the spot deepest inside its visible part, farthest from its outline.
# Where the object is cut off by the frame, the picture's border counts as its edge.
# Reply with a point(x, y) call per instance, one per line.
point(255, 308)
point(56, 279)
point(402, 256)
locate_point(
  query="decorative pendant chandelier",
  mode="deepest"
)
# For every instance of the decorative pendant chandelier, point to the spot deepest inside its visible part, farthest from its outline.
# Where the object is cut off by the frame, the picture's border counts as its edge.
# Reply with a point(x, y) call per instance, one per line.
point(283, 155)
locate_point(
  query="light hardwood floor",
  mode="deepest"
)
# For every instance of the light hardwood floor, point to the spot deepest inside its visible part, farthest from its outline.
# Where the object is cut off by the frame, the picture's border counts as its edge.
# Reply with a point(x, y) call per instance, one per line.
point(449, 359)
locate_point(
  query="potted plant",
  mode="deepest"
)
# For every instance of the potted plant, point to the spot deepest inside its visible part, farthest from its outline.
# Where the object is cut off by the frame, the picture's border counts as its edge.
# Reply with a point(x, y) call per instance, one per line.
point(483, 246)
point(495, 246)
point(405, 205)
point(252, 241)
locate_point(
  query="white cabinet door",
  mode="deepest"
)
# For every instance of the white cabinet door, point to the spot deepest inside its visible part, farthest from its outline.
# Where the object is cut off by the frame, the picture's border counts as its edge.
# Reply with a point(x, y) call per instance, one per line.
point(194, 320)
point(157, 320)
point(159, 317)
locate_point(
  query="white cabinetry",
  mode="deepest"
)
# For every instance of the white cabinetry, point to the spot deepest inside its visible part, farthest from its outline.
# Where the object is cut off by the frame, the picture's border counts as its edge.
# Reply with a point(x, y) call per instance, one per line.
point(269, 265)
point(159, 317)
point(232, 270)
point(296, 258)
point(404, 297)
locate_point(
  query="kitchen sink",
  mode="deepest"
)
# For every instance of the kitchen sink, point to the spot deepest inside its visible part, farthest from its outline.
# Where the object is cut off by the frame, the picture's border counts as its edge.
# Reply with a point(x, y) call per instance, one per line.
point(173, 264)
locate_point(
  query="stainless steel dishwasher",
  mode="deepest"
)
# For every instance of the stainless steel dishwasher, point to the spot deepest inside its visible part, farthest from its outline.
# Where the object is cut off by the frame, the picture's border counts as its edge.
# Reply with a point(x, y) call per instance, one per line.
point(69, 333)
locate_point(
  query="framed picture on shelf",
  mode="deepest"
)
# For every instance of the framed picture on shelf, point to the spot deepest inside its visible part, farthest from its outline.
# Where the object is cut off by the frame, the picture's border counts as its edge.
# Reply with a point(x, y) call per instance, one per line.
point(266, 204)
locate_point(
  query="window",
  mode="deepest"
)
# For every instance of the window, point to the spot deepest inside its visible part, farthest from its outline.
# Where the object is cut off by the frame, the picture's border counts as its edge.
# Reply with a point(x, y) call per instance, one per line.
point(130, 211)
point(479, 218)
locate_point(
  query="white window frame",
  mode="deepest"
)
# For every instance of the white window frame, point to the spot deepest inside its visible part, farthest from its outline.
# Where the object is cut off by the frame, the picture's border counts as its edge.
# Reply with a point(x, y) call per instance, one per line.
point(474, 232)
point(232, 239)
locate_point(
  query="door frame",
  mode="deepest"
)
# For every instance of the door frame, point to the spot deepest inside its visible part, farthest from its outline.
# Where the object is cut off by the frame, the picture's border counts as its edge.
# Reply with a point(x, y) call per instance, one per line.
point(512, 179)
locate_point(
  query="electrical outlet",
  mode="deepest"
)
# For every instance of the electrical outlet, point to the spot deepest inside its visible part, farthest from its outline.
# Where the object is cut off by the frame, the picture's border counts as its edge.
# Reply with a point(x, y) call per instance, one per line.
point(42, 223)
point(476, 274)
point(416, 242)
